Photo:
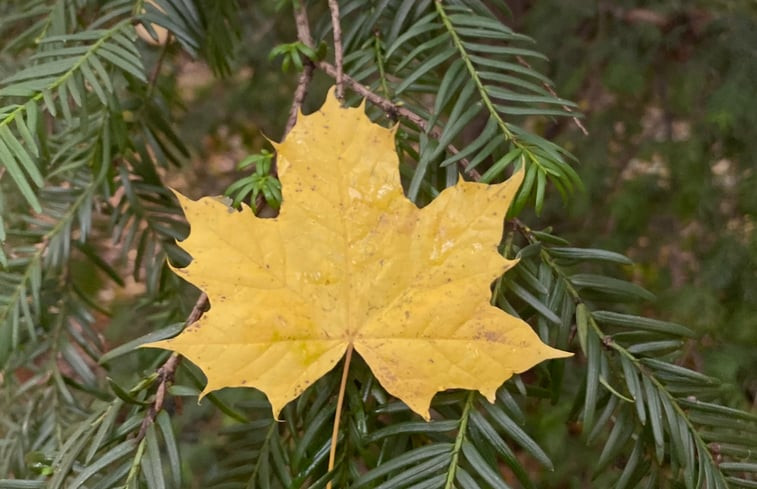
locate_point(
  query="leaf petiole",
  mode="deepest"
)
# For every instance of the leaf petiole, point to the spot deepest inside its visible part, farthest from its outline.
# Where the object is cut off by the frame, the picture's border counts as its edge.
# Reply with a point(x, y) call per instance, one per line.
point(338, 416)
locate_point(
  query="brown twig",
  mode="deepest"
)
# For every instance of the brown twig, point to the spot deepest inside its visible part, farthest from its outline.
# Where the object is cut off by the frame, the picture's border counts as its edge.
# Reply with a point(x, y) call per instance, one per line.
point(395, 110)
point(168, 369)
point(576, 120)
point(198, 310)
point(153, 80)
point(338, 53)
point(299, 95)
point(302, 24)
point(392, 110)
point(303, 35)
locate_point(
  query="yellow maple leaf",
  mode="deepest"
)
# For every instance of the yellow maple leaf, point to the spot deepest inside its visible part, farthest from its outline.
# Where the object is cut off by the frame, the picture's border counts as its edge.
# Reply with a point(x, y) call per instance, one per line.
point(351, 263)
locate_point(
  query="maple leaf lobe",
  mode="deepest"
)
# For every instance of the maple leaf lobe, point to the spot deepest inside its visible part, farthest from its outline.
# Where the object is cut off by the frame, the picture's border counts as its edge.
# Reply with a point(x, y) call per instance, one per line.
point(351, 261)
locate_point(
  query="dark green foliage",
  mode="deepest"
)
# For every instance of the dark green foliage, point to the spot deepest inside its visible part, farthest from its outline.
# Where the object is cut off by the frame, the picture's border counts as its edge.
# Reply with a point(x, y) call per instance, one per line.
point(671, 144)
point(96, 125)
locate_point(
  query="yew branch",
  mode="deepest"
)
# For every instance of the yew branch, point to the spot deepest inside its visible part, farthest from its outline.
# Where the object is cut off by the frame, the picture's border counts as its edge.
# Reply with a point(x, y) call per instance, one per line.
point(304, 36)
point(392, 110)
point(168, 369)
point(547, 87)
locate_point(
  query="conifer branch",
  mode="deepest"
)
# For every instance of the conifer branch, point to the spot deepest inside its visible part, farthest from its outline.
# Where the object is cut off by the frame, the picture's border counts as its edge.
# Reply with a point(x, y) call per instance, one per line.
point(551, 90)
point(392, 110)
point(167, 371)
point(304, 36)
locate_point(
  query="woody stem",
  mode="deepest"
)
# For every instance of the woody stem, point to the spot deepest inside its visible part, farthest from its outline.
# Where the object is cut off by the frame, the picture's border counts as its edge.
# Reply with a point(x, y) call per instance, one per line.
point(338, 417)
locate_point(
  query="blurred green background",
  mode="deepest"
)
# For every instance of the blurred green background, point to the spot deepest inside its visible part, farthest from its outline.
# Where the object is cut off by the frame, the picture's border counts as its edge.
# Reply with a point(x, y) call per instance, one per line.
point(669, 93)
